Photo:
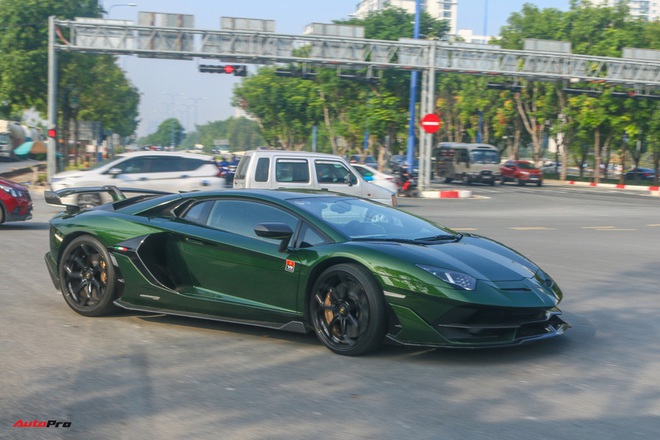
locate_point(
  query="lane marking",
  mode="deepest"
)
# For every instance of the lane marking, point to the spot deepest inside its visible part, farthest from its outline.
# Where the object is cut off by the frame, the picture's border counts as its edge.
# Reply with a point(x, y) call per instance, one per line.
point(597, 227)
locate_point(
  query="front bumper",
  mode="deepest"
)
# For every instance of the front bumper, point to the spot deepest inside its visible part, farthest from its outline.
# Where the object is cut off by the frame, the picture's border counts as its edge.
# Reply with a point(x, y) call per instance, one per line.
point(476, 327)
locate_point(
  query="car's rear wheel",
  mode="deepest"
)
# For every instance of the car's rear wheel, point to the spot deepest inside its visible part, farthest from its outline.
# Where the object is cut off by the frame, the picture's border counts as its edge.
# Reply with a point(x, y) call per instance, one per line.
point(347, 310)
point(88, 277)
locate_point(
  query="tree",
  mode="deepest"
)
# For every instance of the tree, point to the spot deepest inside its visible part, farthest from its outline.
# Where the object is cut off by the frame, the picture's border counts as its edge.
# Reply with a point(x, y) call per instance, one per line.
point(287, 109)
point(103, 91)
point(170, 133)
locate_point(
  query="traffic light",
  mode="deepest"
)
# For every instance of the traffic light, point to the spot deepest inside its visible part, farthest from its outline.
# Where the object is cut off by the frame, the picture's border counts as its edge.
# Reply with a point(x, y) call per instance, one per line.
point(240, 70)
point(52, 132)
point(237, 70)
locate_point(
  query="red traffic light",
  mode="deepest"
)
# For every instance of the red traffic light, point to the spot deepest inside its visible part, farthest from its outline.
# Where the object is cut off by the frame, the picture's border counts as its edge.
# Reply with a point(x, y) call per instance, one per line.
point(52, 133)
point(235, 69)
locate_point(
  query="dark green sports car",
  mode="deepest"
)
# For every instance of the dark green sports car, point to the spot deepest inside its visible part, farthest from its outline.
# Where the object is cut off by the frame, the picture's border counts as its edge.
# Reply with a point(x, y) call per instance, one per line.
point(356, 273)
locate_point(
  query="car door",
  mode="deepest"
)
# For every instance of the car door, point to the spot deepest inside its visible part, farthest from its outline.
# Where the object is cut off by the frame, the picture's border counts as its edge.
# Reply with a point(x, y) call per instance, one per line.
point(508, 170)
point(234, 272)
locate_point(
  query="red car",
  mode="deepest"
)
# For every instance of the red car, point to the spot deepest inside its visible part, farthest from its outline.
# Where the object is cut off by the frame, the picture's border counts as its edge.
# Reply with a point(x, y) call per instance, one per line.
point(521, 172)
point(15, 202)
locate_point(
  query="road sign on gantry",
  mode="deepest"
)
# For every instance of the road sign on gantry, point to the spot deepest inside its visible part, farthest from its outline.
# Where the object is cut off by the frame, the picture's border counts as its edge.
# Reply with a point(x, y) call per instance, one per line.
point(430, 123)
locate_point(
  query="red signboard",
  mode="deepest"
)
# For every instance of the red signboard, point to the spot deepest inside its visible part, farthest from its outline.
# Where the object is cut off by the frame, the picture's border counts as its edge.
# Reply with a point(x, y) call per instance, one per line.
point(430, 123)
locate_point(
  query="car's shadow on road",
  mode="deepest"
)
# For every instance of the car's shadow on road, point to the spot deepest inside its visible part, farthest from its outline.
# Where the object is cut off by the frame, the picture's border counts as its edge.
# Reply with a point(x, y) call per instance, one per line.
point(577, 339)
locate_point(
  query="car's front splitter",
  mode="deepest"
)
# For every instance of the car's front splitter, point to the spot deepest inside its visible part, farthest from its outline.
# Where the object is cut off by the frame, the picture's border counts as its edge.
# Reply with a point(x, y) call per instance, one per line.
point(467, 329)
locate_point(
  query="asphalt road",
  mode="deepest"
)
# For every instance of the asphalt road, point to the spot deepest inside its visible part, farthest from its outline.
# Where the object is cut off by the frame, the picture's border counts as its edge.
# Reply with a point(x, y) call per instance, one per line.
point(152, 377)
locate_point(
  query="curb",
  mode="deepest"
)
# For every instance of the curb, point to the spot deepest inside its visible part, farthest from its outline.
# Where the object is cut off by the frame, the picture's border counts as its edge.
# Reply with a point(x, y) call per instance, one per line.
point(654, 190)
point(447, 194)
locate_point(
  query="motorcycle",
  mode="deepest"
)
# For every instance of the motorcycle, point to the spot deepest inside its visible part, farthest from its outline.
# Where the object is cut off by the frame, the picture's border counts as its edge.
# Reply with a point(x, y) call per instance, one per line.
point(407, 186)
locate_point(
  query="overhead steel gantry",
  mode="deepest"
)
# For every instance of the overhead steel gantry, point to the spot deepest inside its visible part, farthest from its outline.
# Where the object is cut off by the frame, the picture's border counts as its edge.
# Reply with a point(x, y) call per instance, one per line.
point(343, 53)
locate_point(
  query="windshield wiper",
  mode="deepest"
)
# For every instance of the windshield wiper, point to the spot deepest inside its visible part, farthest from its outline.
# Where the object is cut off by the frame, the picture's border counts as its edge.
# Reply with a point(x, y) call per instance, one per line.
point(425, 240)
point(442, 237)
point(390, 240)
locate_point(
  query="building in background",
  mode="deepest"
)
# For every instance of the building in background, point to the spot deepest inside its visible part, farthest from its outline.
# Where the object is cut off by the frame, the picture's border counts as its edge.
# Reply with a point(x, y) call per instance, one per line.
point(648, 9)
point(439, 9)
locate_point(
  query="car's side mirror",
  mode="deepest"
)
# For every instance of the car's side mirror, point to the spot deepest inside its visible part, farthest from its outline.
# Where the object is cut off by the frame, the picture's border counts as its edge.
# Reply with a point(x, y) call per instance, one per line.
point(114, 172)
point(277, 231)
point(350, 179)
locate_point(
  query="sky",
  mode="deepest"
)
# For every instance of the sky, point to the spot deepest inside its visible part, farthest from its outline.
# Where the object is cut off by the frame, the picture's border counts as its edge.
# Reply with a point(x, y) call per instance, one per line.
point(175, 88)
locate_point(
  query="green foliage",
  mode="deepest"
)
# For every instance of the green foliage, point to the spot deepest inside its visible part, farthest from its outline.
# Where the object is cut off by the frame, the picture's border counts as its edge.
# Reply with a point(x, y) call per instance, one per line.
point(105, 93)
point(170, 133)
point(287, 109)
point(242, 134)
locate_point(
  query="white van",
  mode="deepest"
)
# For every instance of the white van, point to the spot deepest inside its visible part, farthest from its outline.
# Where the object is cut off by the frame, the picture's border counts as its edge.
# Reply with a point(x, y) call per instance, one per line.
point(277, 169)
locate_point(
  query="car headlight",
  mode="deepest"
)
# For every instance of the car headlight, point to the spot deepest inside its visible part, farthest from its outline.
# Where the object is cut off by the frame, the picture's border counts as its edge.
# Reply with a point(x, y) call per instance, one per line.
point(9, 190)
point(459, 280)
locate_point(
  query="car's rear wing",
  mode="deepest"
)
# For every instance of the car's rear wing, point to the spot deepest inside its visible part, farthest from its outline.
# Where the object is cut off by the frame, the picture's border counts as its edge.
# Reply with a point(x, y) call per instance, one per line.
point(115, 193)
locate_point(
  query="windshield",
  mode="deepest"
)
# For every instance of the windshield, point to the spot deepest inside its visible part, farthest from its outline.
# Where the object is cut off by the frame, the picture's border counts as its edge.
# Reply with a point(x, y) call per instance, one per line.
point(4, 139)
point(526, 166)
point(106, 162)
point(361, 219)
point(484, 156)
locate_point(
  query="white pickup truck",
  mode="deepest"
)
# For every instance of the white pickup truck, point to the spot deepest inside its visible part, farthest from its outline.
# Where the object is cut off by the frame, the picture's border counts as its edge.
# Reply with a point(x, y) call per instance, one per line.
point(275, 169)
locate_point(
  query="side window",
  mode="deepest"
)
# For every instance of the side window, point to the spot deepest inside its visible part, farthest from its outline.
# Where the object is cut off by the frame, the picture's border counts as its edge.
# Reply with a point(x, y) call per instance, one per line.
point(241, 216)
point(292, 170)
point(261, 174)
point(165, 164)
point(332, 172)
point(198, 213)
point(190, 164)
point(309, 237)
point(136, 165)
point(461, 156)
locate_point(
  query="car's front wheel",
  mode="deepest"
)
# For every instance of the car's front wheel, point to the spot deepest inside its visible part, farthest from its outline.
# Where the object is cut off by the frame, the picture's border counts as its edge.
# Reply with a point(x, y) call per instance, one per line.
point(88, 277)
point(347, 310)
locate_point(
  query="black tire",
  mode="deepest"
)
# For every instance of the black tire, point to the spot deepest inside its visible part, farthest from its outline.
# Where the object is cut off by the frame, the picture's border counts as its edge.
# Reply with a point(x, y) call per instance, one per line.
point(448, 179)
point(88, 200)
point(2, 214)
point(466, 180)
point(520, 182)
point(87, 277)
point(347, 310)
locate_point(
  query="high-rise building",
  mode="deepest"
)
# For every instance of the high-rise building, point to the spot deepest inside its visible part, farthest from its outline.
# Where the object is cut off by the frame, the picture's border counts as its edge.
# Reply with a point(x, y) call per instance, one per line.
point(439, 9)
point(649, 9)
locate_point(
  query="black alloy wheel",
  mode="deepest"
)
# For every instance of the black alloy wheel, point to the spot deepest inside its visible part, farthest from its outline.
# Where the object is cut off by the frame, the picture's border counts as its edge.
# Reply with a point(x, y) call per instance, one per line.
point(347, 310)
point(88, 277)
